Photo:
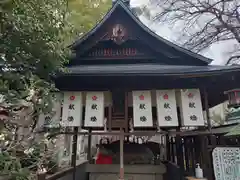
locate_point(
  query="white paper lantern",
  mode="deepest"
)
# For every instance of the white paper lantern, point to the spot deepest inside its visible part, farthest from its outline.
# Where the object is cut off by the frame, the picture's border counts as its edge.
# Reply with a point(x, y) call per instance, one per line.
point(72, 109)
point(94, 115)
point(142, 109)
point(166, 108)
point(191, 107)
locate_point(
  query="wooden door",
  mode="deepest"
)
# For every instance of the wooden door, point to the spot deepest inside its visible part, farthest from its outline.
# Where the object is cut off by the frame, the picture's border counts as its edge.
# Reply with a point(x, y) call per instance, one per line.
point(119, 109)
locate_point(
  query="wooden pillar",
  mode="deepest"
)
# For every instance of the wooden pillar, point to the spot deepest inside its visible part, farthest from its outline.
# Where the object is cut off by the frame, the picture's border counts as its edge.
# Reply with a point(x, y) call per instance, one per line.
point(207, 157)
point(186, 153)
point(213, 144)
point(89, 145)
point(173, 145)
point(110, 117)
point(126, 111)
point(121, 174)
point(192, 152)
point(197, 145)
point(168, 148)
point(179, 149)
point(74, 151)
point(207, 109)
point(206, 160)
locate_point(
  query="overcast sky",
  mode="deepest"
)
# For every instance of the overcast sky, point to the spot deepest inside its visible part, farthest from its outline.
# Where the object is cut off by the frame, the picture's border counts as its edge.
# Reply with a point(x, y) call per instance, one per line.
point(216, 52)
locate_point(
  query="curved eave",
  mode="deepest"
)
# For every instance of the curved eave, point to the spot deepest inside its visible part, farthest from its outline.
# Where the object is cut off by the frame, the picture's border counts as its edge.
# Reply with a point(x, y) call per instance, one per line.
point(145, 28)
point(149, 70)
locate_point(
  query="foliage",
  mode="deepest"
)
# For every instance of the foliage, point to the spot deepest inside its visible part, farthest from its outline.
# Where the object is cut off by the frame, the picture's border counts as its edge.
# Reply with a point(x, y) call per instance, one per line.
point(201, 23)
point(17, 161)
point(33, 39)
point(235, 131)
point(85, 15)
point(233, 115)
point(32, 51)
point(11, 167)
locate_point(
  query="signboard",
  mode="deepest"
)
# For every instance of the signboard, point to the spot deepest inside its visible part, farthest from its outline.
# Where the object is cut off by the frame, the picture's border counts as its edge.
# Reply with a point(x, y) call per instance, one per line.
point(191, 107)
point(142, 109)
point(94, 115)
point(52, 119)
point(226, 163)
point(72, 109)
point(166, 108)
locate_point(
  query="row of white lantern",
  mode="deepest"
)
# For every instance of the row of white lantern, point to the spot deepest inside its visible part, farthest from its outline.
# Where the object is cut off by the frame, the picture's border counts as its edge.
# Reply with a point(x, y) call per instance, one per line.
point(94, 109)
point(189, 101)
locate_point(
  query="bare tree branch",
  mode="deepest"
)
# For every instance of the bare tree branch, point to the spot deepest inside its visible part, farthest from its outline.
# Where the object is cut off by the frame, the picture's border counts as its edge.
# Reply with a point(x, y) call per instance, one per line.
point(204, 22)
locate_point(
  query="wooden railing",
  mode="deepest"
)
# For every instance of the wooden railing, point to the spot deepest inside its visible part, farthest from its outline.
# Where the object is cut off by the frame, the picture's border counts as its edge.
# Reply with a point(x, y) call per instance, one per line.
point(186, 151)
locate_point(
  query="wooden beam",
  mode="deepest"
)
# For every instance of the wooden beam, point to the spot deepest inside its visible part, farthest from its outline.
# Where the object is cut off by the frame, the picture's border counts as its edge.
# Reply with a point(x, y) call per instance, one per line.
point(137, 133)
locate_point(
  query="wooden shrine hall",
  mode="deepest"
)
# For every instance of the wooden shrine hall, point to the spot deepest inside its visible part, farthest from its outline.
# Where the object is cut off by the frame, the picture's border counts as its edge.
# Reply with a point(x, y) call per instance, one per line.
point(126, 80)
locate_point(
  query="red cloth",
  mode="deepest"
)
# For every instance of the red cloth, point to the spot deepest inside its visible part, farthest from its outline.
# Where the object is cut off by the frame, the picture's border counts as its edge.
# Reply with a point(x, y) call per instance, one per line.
point(103, 159)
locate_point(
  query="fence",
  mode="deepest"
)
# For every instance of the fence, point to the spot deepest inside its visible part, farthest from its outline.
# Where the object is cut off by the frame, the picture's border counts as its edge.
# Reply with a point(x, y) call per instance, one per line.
point(189, 150)
point(183, 152)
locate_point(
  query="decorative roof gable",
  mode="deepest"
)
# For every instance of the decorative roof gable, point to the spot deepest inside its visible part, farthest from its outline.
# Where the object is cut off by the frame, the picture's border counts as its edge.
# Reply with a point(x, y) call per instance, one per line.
point(119, 34)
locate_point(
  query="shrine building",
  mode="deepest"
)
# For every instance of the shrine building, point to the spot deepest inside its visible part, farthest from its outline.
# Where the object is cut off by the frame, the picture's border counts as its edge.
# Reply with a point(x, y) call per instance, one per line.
point(121, 61)
point(124, 77)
